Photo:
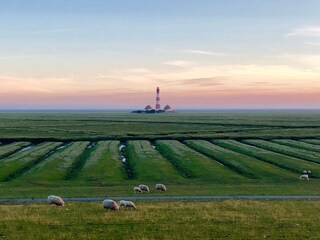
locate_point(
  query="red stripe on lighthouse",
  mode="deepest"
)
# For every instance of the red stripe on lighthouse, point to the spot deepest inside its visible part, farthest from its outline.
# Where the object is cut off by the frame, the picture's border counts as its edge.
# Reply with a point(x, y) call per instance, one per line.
point(158, 99)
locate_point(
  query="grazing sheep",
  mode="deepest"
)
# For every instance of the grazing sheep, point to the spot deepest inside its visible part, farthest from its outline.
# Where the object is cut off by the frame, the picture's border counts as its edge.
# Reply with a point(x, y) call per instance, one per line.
point(137, 190)
point(127, 204)
point(122, 203)
point(160, 187)
point(309, 172)
point(130, 204)
point(144, 188)
point(304, 172)
point(55, 200)
point(110, 204)
point(304, 177)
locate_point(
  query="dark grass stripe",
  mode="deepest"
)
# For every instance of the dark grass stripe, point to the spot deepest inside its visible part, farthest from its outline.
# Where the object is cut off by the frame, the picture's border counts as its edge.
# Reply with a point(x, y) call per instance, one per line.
point(297, 145)
point(77, 165)
point(5, 155)
point(26, 167)
point(285, 150)
point(167, 153)
point(208, 152)
point(129, 168)
point(272, 158)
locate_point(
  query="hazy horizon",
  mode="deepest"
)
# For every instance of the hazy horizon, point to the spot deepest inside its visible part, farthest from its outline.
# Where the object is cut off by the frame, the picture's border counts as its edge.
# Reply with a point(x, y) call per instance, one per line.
point(210, 54)
point(123, 110)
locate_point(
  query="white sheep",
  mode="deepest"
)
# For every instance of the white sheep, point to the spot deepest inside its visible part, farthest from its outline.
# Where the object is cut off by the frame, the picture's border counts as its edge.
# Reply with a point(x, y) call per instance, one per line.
point(110, 204)
point(144, 188)
point(122, 203)
point(137, 190)
point(160, 187)
point(304, 172)
point(304, 177)
point(127, 204)
point(55, 200)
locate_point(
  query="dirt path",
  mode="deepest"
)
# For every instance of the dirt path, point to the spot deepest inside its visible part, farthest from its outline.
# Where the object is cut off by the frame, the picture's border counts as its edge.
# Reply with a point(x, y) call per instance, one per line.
point(154, 198)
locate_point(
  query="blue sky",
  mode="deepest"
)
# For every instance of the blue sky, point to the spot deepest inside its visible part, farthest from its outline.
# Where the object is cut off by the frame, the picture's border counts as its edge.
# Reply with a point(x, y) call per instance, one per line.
point(212, 51)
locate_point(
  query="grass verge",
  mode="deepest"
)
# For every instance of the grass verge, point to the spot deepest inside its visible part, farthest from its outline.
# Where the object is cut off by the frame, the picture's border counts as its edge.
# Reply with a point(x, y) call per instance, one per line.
point(228, 219)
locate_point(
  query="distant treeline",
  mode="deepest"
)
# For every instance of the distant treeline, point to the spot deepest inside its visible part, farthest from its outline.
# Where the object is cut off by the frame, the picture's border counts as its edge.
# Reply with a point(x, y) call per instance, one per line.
point(148, 111)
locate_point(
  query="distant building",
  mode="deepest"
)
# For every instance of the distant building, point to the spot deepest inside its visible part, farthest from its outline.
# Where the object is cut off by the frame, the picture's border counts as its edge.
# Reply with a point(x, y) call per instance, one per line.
point(148, 108)
point(167, 108)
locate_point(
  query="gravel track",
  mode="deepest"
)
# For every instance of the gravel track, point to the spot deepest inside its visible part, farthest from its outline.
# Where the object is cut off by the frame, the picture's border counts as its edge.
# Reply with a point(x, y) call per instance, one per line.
point(154, 198)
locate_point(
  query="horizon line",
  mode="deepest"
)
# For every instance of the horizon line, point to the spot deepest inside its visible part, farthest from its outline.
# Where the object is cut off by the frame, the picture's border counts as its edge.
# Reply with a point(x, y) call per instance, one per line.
point(132, 109)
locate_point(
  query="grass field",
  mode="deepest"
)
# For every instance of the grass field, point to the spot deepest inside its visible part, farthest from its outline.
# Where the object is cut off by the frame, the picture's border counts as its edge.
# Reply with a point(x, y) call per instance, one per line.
point(243, 164)
point(287, 162)
point(14, 165)
point(283, 149)
point(228, 219)
point(103, 165)
point(77, 155)
point(148, 165)
point(312, 141)
point(192, 153)
point(180, 125)
point(54, 169)
point(298, 145)
point(7, 150)
point(194, 165)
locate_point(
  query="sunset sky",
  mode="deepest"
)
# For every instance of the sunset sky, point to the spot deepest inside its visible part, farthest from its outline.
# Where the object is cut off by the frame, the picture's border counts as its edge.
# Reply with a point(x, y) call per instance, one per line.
point(205, 54)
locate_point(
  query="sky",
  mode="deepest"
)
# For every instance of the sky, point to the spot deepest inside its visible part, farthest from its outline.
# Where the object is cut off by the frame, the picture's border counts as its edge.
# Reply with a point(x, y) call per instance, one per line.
point(203, 54)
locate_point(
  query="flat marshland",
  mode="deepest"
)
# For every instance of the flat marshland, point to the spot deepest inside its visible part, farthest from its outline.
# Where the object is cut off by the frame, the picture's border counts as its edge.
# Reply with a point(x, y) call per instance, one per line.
point(197, 154)
point(227, 219)
point(216, 153)
point(41, 126)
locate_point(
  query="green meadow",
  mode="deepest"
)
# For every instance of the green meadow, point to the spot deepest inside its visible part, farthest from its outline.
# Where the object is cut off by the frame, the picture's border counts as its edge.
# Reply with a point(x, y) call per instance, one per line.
point(107, 154)
point(196, 154)
point(227, 219)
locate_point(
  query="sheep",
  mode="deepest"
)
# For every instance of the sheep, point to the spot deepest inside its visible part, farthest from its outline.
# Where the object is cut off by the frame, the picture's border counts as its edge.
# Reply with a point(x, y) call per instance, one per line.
point(110, 204)
point(137, 190)
point(144, 188)
point(127, 204)
point(304, 177)
point(122, 203)
point(160, 187)
point(55, 200)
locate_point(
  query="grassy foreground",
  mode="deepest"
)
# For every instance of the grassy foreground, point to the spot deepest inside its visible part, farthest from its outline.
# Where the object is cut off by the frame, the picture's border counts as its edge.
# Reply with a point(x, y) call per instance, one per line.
point(229, 219)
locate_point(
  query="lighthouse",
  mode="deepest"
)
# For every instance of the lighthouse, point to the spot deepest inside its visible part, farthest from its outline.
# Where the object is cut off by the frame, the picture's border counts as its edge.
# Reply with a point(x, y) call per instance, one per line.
point(148, 109)
point(158, 99)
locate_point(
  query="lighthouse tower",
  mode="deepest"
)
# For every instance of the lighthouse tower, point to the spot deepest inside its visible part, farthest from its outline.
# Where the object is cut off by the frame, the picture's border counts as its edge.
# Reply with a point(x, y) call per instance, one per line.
point(158, 99)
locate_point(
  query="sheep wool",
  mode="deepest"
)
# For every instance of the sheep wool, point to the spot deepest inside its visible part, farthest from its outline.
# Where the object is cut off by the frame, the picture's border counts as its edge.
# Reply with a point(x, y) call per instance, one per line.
point(127, 204)
point(110, 204)
point(144, 188)
point(122, 203)
point(137, 190)
point(55, 200)
point(304, 177)
point(160, 187)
